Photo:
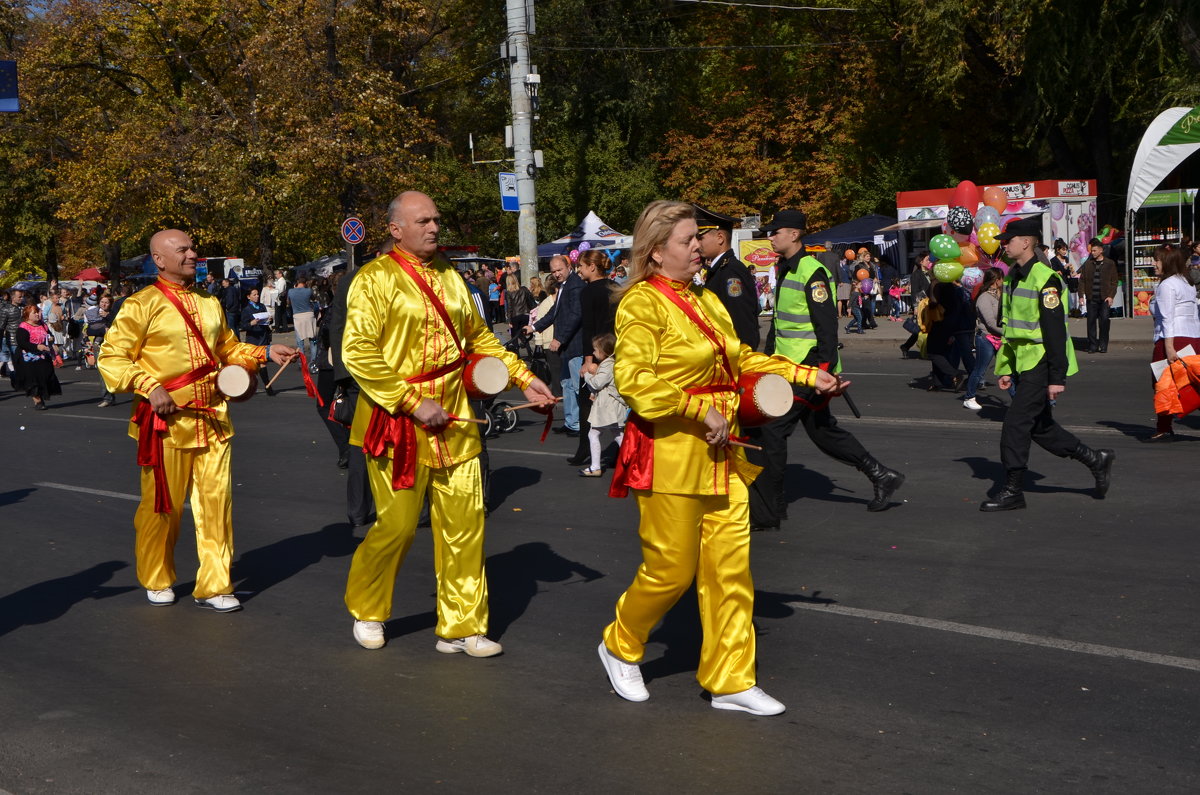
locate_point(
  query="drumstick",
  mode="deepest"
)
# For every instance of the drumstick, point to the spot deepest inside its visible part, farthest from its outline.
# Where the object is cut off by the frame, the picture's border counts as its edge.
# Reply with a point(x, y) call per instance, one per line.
point(532, 403)
point(747, 445)
point(468, 419)
point(279, 372)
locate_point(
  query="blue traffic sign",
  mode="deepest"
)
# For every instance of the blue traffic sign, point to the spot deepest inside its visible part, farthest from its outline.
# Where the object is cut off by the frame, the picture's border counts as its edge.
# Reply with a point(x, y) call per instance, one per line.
point(509, 202)
point(353, 231)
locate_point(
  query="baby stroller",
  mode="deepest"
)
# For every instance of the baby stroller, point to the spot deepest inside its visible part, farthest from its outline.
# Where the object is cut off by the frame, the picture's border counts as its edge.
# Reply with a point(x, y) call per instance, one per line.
point(499, 418)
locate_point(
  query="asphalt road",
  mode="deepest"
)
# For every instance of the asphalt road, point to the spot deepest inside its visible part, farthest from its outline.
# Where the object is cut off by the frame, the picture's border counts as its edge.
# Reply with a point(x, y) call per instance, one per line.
point(927, 649)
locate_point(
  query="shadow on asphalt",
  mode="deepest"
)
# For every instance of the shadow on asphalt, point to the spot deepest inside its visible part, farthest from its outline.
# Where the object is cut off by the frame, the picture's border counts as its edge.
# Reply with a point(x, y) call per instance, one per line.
point(267, 566)
point(14, 496)
point(513, 579)
point(507, 481)
point(51, 599)
point(801, 482)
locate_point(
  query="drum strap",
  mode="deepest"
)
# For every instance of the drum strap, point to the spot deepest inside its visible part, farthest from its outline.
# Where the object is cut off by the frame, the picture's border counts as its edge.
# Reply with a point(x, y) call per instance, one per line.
point(406, 265)
point(659, 283)
point(187, 319)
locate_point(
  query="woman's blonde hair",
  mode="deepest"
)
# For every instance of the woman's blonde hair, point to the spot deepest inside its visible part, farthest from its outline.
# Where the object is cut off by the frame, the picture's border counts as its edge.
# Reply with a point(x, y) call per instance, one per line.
point(511, 283)
point(651, 232)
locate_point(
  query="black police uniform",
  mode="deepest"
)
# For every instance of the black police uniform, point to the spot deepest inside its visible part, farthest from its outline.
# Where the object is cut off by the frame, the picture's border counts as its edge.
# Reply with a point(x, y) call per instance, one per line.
point(731, 280)
point(768, 504)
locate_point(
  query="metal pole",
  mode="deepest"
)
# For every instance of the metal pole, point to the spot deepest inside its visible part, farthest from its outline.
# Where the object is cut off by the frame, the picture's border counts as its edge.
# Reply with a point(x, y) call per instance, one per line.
point(522, 114)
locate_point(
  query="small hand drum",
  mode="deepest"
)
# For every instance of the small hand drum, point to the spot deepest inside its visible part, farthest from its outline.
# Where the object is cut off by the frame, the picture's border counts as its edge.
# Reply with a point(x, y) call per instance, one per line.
point(764, 397)
point(236, 383)
point(484, 376)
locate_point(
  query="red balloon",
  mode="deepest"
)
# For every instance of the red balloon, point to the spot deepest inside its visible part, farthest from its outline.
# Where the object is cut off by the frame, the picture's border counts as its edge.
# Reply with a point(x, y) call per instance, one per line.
point(966, 195)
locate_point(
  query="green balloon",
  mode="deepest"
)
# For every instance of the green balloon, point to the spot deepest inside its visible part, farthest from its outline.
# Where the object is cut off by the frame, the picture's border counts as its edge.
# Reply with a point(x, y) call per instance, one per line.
point(948, 270)
point(944, 247)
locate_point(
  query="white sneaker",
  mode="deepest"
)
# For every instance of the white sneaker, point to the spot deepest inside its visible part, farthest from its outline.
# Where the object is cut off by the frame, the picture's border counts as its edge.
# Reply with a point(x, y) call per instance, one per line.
point(222, 603)
point(754, 701)
point(474, 646)
point(972, 404)
point(369, 634)
point(161, 598)
point(624, 677)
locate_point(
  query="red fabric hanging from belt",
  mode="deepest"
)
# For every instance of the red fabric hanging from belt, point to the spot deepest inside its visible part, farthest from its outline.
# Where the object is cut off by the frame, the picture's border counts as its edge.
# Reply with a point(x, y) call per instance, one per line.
point(635, 460)
point(398, 431)
point(151, 429)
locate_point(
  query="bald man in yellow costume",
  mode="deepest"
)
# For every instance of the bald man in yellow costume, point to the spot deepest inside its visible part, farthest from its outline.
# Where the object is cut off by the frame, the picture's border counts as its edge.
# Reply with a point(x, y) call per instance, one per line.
point(408, 364)
point(180, 420)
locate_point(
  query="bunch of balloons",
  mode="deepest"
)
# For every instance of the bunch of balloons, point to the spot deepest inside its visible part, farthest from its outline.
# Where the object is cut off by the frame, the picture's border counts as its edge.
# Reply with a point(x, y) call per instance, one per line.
point(955, 250)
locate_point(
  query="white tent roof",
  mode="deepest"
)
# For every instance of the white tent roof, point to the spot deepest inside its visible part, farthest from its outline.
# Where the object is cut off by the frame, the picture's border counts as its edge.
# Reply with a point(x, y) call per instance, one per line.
point(1169, 140)
point(591, 229)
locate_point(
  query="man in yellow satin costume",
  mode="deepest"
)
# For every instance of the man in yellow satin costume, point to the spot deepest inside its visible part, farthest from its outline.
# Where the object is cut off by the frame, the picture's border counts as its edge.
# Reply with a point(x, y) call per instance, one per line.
point(677, 359)
point(179, 418)
point(408, 363)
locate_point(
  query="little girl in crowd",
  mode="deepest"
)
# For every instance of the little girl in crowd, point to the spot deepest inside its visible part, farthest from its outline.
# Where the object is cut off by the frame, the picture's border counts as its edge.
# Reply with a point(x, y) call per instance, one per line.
point(608, 409)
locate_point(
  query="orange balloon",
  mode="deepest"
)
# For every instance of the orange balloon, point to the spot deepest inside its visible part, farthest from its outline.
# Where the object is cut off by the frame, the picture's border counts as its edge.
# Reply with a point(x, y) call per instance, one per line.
point(862, 273)
point(968, 256)
point(849, 253)
point(995, 198)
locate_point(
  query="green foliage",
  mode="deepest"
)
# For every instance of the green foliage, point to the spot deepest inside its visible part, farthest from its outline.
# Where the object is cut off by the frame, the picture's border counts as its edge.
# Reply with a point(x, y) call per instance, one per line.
point(259, 125)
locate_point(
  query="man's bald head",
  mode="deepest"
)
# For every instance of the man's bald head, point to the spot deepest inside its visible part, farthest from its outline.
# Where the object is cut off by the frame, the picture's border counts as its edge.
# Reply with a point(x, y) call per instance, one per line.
point(414, 223)
point(174, 255)
point(560, 266)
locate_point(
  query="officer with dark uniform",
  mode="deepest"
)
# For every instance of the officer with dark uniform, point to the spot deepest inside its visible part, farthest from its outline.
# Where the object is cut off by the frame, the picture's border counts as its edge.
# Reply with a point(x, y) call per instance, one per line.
point(726, 275)
point(805, 330)
point(1036, 355)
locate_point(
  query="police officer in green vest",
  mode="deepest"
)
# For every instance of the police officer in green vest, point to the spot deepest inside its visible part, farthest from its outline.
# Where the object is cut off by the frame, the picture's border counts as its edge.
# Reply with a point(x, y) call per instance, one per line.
point(1037, 355)
point(805, 330)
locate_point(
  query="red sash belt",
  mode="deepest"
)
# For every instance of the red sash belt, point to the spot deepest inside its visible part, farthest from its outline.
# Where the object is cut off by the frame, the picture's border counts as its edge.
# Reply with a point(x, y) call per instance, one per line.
point(152, 428)
point(399, 432)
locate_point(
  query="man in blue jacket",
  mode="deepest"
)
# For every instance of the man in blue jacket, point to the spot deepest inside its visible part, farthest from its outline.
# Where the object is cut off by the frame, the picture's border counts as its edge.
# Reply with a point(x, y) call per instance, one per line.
point(567, 318)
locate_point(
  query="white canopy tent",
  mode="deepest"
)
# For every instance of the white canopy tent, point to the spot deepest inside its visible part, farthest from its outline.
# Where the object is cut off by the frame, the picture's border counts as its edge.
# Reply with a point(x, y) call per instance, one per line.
point(1169, 140)
point(591, 230)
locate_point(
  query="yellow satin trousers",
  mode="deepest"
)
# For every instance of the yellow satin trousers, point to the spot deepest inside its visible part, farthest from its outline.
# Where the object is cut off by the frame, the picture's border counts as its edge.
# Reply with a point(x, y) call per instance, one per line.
point(204, 471)
point(701, 537)
point(456, 514)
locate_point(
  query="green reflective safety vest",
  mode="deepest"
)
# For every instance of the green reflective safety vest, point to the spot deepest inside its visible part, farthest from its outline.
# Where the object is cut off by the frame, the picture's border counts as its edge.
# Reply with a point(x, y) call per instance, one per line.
point(795, 334)
point(1023, 347)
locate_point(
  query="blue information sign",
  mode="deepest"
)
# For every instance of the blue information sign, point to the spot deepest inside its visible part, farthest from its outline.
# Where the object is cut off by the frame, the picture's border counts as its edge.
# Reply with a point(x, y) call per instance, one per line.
point(508, 193)
point(353, 231)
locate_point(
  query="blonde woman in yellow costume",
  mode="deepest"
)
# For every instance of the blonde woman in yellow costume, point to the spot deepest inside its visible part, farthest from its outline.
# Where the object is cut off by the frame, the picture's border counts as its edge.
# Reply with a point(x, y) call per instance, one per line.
point(166, 346)
point(675, 368)
point(409, 321)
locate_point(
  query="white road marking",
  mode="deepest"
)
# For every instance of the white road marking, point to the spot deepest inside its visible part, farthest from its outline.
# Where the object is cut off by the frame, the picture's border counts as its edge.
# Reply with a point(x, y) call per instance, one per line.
point(83, 490)
point(974, 425)
point(1005, 635)
point(53, 413)
point(528, 452)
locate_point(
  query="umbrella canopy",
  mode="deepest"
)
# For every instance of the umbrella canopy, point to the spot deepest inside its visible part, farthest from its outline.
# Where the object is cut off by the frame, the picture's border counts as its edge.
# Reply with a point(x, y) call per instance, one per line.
point(1169, 140)
point(91, 275)
point(591, 230)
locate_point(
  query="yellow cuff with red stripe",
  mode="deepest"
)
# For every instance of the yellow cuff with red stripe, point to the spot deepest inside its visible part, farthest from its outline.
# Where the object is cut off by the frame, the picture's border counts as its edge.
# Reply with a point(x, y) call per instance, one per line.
point(693, 407)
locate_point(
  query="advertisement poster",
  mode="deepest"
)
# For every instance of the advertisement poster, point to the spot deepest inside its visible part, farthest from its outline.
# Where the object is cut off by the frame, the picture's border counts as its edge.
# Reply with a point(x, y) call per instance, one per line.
point(760, 258)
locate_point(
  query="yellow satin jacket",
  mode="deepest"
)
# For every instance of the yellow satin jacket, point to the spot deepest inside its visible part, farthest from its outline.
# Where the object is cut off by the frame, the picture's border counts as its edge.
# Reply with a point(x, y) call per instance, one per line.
point(393, 333)
point(660, 353)
point(149, 344)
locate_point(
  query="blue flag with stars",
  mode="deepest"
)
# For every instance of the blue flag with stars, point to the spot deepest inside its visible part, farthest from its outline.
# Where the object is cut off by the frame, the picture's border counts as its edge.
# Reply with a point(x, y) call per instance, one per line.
point(9, 103)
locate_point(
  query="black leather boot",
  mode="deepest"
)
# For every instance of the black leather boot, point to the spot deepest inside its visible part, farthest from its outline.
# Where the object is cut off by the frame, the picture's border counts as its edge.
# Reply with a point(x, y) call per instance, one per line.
point(885, 481)
point(1011, 497)
point(1100, 462)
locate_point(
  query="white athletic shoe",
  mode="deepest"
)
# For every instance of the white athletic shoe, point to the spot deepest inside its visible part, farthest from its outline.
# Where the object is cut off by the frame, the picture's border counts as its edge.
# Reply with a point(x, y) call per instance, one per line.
point(222, 603)
point(161, 598)
point(369, 634)
point(474, 646)
point(625, 678)
point(972, 404)
point(754, 701)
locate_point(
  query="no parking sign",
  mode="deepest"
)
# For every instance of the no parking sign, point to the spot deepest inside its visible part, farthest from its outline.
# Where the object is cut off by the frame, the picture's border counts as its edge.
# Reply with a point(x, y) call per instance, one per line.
point(353, 231)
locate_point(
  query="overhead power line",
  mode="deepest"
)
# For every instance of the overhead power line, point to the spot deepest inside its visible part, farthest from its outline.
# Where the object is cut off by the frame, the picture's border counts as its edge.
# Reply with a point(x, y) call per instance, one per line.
point(671, 48)
point(765, 5)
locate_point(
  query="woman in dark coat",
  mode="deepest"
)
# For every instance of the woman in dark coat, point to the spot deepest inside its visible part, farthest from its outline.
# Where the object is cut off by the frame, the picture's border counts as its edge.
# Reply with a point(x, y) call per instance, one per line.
point(598, 313)
point(35, 359)
point(258, 330)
